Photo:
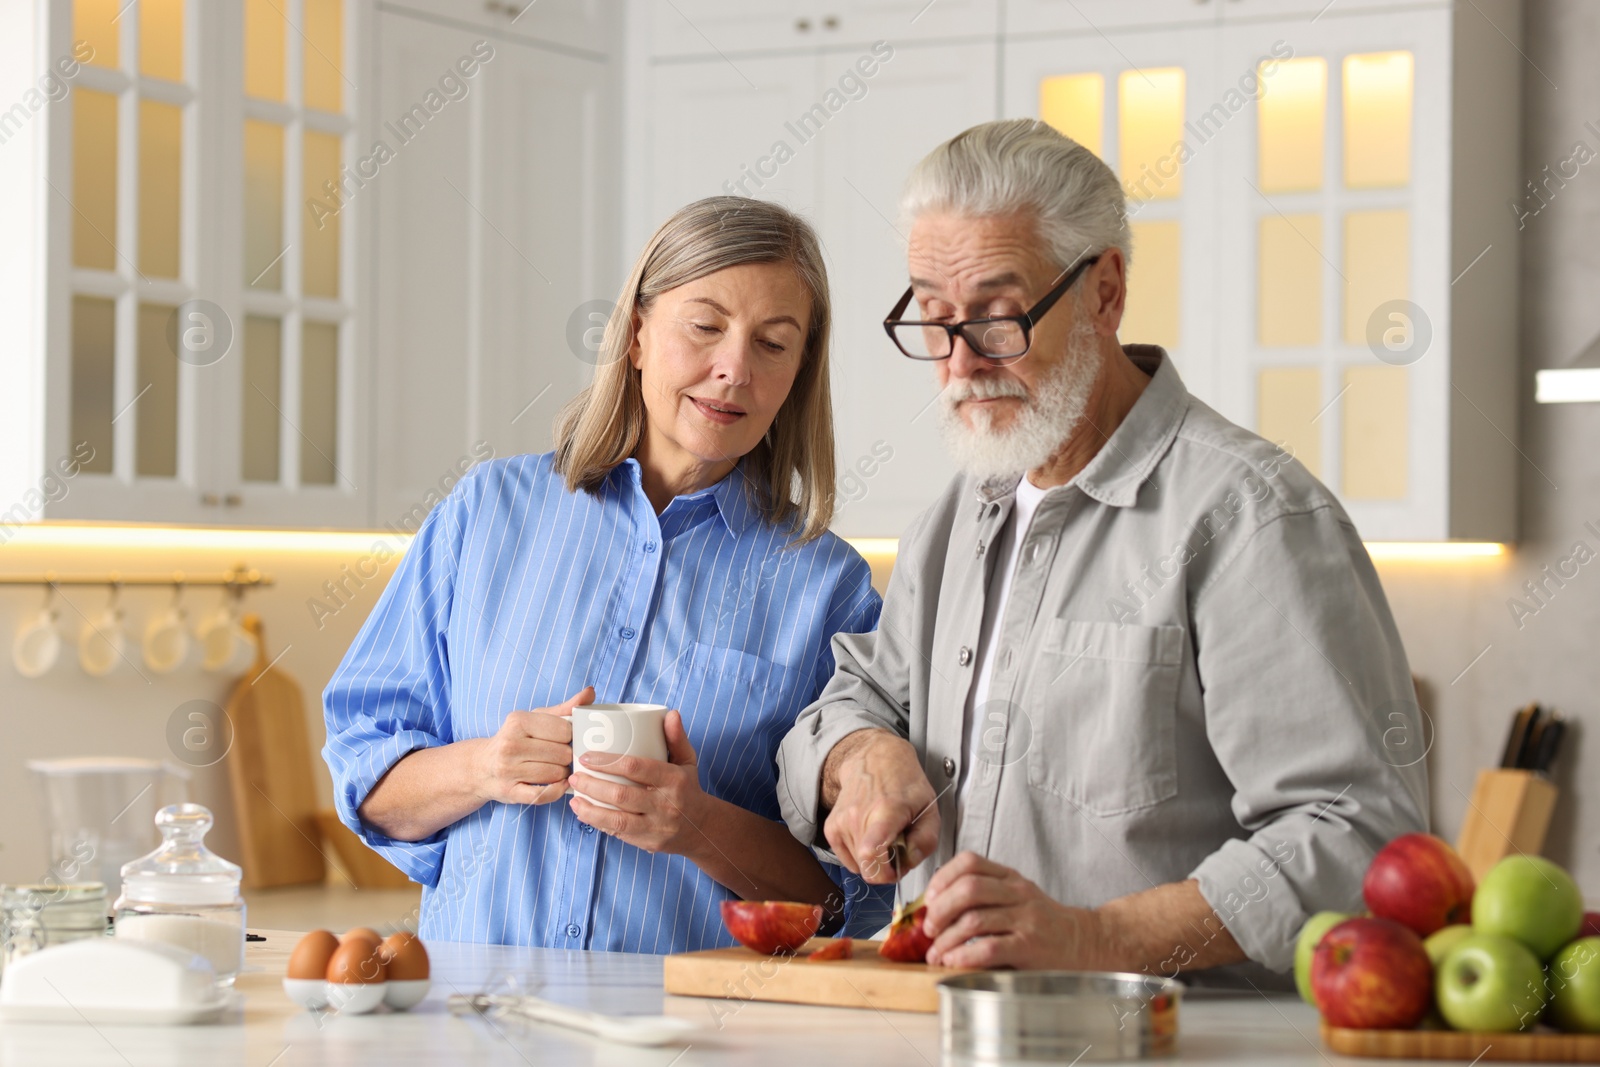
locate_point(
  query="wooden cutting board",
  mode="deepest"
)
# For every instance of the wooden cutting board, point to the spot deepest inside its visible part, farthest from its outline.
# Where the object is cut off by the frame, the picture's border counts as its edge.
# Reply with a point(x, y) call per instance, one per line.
point(1467, 1047)
point(274, 794)
point(867, 981)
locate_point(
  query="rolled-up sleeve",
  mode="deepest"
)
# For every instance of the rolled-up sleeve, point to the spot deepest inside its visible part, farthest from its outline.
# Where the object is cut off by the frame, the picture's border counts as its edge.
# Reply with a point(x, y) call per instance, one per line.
point(391, 693)
point(870, 688)
point(867, 908)
point(1310, 709)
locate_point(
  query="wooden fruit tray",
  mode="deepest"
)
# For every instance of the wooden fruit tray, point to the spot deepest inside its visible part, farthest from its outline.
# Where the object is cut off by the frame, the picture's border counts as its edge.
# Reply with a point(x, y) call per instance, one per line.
point(1537, 1047)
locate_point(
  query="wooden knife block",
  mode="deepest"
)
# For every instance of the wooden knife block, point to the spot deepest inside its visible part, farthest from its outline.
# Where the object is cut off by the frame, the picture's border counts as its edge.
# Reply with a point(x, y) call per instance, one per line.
point(1509, 812)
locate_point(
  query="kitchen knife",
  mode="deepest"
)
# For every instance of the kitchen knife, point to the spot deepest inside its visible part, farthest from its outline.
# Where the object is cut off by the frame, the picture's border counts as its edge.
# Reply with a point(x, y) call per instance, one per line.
point(1521, 723)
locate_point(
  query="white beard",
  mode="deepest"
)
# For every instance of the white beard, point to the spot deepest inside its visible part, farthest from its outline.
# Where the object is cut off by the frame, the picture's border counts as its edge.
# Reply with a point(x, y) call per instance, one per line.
point(1038, 429)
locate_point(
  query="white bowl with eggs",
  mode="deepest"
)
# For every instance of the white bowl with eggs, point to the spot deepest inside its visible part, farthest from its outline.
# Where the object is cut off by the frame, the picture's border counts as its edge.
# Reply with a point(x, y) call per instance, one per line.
point(356, 973)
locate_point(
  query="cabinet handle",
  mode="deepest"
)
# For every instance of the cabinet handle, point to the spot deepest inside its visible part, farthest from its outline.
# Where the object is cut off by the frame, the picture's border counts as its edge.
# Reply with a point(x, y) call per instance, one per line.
point(803, 25)
point(232, 500)
point(831, 22)
point(209, 500)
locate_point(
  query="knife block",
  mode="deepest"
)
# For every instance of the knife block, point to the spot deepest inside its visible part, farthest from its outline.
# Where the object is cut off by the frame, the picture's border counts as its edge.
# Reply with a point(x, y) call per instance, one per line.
point(1509, 812)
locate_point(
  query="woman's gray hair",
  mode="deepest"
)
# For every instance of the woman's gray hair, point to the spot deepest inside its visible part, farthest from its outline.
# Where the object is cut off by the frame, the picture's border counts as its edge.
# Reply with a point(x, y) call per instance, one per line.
point(1024, 166)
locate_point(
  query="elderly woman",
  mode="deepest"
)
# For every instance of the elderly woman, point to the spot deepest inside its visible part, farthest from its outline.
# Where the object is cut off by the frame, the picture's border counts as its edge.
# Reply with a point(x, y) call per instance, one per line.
point(674, 549)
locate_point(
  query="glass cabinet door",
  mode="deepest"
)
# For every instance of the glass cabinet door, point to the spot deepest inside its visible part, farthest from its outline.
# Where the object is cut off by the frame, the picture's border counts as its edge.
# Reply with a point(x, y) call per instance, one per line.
point(123, 211)
point(1139, 101)
point(1334, 258)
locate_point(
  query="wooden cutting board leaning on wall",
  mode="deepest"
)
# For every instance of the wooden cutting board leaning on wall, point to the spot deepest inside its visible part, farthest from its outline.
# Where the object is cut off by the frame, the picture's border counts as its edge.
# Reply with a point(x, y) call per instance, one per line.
point(269, 763)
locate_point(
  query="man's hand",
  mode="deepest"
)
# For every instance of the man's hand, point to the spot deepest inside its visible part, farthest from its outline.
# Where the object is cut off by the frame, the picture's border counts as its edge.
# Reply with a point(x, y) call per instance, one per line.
point(874, 785)
point(661, 811)
point(981, 914)
point(528, 759)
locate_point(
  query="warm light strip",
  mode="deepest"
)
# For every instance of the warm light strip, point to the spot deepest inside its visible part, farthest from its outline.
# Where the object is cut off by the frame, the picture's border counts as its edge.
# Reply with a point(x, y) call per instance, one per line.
point(1442, 551)
point(107, 535)
point(95, 535)
point(875, 546)
point(1575, 385)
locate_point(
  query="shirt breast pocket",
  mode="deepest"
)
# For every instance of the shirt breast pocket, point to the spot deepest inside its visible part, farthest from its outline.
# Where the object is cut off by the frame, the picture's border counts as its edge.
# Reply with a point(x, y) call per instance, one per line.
point(1104, 715)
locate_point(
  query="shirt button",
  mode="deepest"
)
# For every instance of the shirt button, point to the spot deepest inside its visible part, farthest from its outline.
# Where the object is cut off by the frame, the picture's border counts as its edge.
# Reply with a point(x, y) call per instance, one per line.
point(1032, 552)
point(627, 633)
point(966, 655)
point(649, 546)
point(949, 767)
point(1008, 658)
point(588, 829)
point(573, 929)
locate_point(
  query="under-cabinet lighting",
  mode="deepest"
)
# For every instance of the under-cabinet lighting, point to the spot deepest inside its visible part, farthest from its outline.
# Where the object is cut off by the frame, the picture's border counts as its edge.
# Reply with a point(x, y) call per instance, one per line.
point(1440, 551)
point(112, 535)
point(1574, 385)
point(109, 535)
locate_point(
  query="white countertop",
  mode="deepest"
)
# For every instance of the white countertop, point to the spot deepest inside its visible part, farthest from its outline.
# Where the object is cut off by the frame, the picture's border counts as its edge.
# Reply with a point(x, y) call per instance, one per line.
point(269, 1031)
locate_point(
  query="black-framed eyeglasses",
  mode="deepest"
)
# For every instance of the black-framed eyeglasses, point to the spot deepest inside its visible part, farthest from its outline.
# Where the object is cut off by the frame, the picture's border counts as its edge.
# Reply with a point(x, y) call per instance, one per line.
point(1000, 339)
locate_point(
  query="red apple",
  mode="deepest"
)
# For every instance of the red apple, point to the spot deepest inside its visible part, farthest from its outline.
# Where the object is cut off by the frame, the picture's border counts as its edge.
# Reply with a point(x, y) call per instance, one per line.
point(771, 927)
point(1419, 881)
point(1591, 924)
point(842, 949)
point(1372, 974)
point(908, 941)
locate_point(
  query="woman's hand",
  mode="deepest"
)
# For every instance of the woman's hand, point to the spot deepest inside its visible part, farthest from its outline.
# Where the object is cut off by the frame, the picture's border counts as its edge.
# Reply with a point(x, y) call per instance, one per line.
point(662, 811)
point(528, 759)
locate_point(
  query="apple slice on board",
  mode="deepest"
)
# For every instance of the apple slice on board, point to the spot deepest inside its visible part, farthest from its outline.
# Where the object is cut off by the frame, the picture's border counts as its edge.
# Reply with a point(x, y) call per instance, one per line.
point(771, 927)
point(842, 949)
point(908, 941)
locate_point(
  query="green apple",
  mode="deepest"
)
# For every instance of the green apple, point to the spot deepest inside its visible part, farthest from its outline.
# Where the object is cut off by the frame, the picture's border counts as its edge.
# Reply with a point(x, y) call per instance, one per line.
point(1306, 943)
point(1440, 942)
point(1490, 983)
point(1575, 986)
point(1531, 899)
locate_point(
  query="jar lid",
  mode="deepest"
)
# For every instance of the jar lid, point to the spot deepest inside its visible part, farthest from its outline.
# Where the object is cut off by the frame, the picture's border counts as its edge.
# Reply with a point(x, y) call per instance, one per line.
point(182, 870)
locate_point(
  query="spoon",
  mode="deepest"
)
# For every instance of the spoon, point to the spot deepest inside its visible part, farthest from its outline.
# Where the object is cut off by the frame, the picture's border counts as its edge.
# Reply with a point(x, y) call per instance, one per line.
point(625, 1029)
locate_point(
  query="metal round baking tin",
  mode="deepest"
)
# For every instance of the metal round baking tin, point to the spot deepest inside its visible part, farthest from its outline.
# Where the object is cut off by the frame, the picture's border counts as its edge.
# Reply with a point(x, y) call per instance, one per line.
point(1057, 1016)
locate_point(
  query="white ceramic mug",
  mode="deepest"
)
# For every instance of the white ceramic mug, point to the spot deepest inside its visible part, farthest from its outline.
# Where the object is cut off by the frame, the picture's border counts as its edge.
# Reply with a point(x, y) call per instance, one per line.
point(226, 647)
point(166, 640)
point(101, 642)
point(37, 645)
point(618, 730)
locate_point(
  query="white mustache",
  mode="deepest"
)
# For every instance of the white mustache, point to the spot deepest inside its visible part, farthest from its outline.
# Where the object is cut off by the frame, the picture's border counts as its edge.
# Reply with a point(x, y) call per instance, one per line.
point(959, 389)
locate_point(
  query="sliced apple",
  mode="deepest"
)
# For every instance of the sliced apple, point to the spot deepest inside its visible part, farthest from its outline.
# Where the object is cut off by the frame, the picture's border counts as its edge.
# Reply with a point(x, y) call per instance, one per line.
point(771, 927)
point(842, 949)
point(908, 941)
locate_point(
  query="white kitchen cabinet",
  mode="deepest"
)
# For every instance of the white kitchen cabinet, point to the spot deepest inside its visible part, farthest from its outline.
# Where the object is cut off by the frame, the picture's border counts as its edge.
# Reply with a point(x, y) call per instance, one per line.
point(890, 458)
point(1032, 17)
point(713, 28)
point(494, 228)
point(199, 333)
point(715, 125)
point(586, 25)
point(1352, 290)
point(390, 250)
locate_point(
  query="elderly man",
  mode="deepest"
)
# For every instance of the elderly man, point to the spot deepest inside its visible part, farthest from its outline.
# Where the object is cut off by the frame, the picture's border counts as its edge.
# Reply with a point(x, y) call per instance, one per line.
point(1136, 699)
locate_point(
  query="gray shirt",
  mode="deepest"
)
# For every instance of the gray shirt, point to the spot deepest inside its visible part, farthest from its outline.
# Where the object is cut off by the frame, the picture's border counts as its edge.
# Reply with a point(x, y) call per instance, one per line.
point(1196, 675)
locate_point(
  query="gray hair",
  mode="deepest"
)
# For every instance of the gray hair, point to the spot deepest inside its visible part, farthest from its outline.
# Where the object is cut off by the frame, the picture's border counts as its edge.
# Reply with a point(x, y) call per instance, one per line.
point(1024, 166)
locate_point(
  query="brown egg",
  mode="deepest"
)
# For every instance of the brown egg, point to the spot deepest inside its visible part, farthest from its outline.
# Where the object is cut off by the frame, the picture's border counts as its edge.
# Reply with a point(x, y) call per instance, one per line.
point(405, 958)
point(365, 932)
point(356, 962)
point(311, 955)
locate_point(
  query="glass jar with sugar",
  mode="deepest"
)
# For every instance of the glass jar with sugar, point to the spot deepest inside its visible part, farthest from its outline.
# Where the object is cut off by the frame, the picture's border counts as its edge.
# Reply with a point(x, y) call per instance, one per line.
point(184, 894)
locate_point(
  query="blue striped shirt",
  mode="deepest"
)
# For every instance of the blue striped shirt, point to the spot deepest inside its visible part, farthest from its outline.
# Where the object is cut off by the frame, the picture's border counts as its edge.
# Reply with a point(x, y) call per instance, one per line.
point(517, 593)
